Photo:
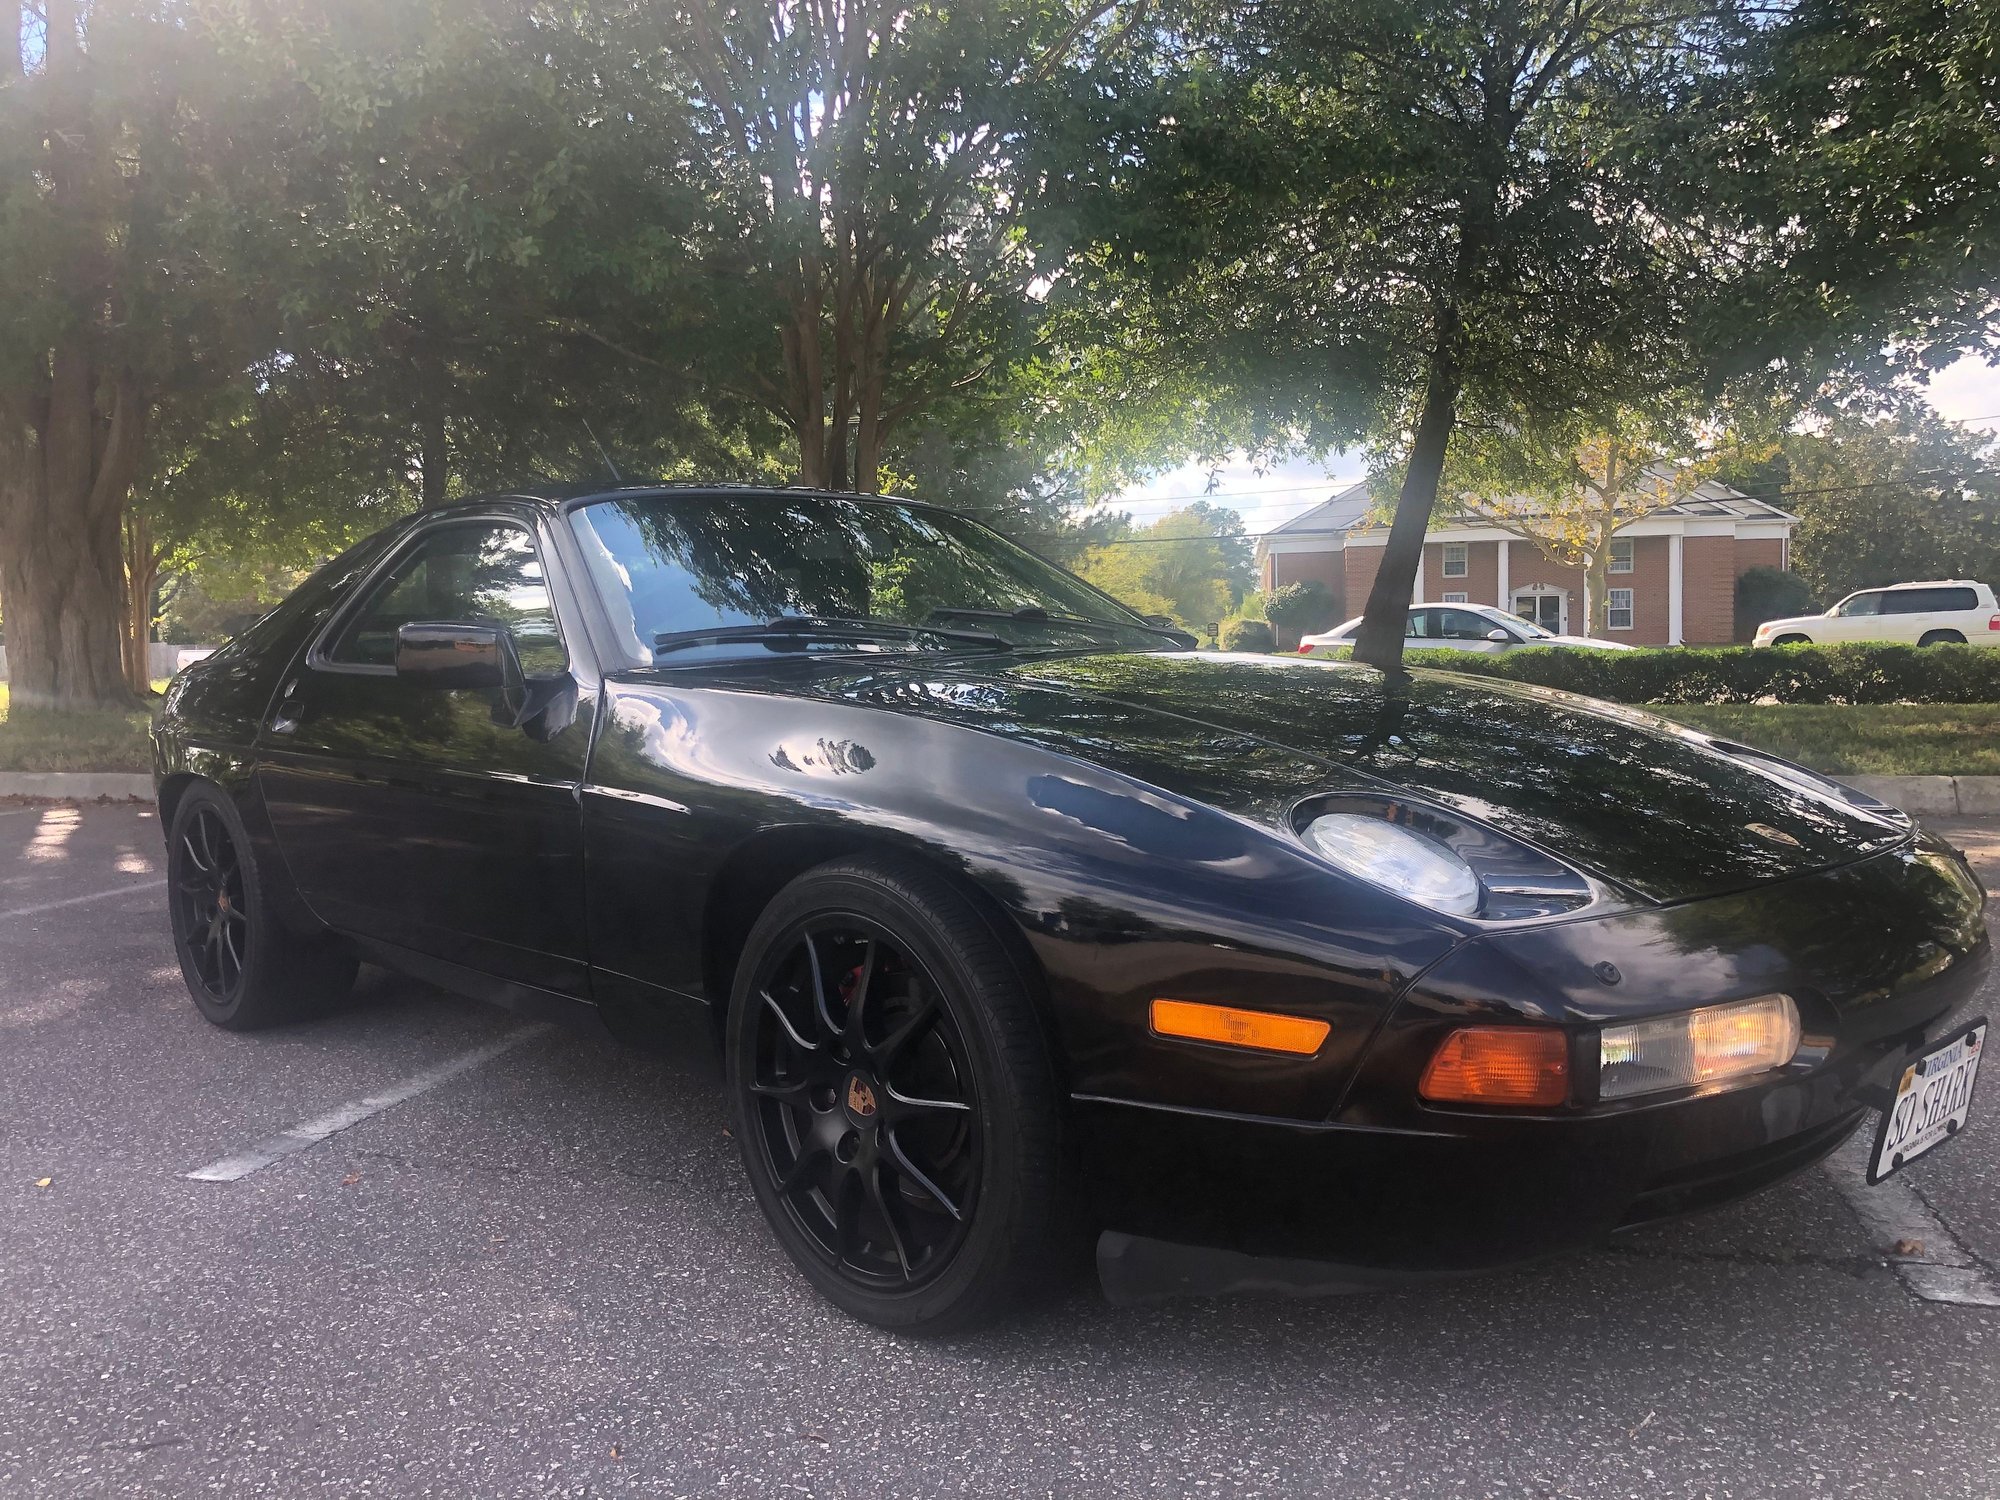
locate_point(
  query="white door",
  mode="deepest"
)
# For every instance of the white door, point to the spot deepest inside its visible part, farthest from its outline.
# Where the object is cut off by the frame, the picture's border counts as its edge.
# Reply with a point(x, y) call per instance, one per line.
point(1856, 618)
point(1550, 611)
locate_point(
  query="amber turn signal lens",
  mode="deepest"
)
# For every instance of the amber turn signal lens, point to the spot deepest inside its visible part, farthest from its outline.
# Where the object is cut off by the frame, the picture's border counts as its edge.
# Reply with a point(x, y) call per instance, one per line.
point(1260, 1029)
point(1499, 1065)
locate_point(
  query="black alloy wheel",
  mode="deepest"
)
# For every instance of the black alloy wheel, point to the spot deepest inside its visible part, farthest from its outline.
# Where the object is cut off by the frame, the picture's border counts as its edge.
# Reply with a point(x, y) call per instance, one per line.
point(894, 1097)
point(865, 1103)
point(212, 922)
point(244, 967)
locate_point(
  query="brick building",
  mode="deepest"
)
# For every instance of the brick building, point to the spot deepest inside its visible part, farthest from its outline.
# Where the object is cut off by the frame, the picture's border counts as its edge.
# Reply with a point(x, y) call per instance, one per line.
point(1672, 577)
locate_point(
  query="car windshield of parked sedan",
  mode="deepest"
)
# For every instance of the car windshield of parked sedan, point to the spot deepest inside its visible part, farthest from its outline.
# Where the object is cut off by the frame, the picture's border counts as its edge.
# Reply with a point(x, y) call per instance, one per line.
point(687, 578)
point(1526, 626)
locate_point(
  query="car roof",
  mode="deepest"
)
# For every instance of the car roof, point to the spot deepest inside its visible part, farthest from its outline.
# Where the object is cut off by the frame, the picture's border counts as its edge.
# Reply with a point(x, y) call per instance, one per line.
point(1934, 583)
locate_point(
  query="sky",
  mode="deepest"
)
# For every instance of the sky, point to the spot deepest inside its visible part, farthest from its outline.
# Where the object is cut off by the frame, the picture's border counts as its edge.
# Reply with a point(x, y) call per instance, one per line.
point(1968, 392)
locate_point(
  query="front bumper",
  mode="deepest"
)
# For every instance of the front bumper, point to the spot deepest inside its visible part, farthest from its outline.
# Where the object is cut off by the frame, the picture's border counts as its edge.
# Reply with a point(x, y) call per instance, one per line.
point(1878, 955)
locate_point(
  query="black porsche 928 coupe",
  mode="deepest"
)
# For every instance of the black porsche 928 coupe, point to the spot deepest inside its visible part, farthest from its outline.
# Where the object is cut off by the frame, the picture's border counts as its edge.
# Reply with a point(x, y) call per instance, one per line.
point(1011, 912)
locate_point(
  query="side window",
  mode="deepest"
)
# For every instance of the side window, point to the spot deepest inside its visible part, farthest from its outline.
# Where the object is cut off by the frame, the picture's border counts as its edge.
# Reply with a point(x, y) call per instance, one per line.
point(1862, 604)
point(1927, 601)
point(1464, 625)
point(1422, 625)
point(481, 572)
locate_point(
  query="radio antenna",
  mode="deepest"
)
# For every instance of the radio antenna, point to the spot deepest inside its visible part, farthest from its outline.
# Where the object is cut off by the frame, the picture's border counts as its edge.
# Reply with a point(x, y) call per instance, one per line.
point(616, 477)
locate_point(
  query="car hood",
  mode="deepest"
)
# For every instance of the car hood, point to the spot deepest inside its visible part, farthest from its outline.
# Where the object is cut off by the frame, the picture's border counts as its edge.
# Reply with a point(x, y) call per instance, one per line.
point(1791, 622)
point(1642, 803)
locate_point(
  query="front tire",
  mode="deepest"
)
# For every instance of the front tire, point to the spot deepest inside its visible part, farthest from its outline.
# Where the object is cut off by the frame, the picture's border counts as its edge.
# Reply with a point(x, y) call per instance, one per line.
point(1793, 639)
point(894, 1097)
point(244, 969)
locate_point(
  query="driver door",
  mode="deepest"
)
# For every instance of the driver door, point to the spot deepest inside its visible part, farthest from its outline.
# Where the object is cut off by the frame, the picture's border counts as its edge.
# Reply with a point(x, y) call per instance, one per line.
point(1465, 631)
point(419, 816)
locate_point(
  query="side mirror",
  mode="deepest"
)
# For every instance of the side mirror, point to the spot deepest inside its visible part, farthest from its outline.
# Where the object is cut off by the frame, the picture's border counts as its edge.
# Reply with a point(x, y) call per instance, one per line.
point(447, 654)
point(1498, 636)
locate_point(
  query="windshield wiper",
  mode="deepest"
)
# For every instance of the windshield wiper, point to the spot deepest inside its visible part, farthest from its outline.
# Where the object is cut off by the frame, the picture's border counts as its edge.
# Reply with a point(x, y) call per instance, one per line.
point(806, 629)
point(1034, 614)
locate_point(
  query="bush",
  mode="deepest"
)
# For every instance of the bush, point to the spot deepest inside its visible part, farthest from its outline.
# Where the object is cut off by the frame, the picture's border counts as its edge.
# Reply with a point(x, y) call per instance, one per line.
point(1741, 674)
point(1304, 605)
point(1769, 594)
point(1256, 635)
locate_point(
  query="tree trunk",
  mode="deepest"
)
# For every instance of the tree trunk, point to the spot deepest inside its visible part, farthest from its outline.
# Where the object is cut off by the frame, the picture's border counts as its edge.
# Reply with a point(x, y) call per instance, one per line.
point(1379, 642)
point(142, 576)
point(1596, 595)
point(63, 483)
point(70, 438)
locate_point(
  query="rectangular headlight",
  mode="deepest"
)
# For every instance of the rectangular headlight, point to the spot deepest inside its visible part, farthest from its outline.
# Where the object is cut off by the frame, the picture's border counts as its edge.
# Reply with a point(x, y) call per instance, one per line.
point(1698, 1046)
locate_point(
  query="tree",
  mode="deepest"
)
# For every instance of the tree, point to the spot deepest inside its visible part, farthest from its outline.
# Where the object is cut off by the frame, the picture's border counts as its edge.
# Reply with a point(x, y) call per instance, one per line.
point(1570, 491)
point(1390, 214)
point(1193, 564)
point(864, 155)
point(1862, 179)
point(1889, 499)
point(73, 398)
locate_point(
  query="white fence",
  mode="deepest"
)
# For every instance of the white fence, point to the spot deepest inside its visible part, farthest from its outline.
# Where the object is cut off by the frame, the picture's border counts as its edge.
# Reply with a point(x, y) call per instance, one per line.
point(161, 661)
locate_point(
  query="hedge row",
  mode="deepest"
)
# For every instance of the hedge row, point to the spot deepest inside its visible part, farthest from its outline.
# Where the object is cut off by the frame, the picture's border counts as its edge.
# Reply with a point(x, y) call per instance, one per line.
point(1742, 674)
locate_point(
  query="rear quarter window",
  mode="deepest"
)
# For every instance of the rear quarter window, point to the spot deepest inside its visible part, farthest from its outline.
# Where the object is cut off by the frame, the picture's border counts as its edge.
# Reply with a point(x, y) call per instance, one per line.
point(1928, 601)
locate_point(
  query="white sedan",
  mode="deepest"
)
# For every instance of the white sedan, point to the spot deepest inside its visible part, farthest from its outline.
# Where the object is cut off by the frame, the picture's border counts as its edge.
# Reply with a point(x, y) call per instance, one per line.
point(1458, 627)
point(1953, 612)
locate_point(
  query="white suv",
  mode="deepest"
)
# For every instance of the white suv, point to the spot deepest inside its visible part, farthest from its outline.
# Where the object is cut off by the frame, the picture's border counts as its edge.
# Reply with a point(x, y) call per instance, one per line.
point(1954, 611)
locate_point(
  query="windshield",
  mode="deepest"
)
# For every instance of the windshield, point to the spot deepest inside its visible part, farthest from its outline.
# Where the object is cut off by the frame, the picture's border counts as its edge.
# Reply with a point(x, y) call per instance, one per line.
point(1517, 622)
point(672, 569)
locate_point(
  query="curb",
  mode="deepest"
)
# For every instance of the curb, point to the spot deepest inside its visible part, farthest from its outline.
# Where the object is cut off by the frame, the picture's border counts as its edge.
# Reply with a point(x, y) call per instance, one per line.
point(1934, 796)
point(77, 786)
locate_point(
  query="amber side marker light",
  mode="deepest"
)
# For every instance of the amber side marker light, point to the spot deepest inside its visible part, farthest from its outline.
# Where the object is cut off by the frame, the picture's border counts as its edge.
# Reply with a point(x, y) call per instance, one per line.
point(1499, 1065)
point(1262, 1030)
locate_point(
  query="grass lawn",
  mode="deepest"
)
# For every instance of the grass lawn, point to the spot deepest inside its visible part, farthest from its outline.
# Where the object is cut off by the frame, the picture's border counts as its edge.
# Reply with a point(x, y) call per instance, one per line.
point(33, 741)
point(1888, 739)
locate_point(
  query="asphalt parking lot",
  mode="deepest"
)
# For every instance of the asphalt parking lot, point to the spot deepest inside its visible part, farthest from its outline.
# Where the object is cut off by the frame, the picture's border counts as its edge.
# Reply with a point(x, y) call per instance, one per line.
point(541, 1273)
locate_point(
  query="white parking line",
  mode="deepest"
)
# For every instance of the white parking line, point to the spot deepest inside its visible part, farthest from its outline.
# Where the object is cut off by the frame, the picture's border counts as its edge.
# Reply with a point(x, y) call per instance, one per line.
point(35, 911)
point(312, 1132)
point(1937, 1267)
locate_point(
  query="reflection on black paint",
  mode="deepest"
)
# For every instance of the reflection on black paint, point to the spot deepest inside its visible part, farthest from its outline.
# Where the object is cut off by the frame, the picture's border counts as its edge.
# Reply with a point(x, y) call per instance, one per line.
point(823, 757)
point(1147, 824)
point(1625, 794)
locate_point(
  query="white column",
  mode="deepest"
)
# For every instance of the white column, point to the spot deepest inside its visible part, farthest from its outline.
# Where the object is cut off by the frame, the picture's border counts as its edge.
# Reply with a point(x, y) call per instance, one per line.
point(1500, 576)
point(1674, 589)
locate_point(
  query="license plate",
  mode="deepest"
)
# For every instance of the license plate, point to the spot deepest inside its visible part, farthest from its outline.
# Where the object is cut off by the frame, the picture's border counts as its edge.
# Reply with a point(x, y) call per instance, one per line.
point(1932, 1101)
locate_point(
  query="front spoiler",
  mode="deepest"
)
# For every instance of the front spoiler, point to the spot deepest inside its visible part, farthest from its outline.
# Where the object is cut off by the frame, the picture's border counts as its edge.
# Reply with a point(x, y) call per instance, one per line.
point(1136, 1269)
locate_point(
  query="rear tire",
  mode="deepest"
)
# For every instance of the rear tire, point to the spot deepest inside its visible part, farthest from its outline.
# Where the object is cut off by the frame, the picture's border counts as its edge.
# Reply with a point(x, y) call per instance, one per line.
point(243, 967)
point(1942, 638)
point(895, 1099)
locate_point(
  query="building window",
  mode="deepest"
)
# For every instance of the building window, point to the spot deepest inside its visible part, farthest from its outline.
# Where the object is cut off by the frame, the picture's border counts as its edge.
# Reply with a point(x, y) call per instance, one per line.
point(1454, 559)
point(1455, 599)
point(1621, 556)
point(1619, 615)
